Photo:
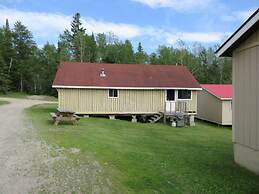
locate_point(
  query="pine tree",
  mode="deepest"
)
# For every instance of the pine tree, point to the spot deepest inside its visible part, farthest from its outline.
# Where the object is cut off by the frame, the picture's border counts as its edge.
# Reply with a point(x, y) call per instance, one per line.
point(140, 56)
point(78, 43)
point(4, 78)
point(101, 46)
point(64, 46)
point(76, 25)
point(49, 67)
point(23, 45)
point(7, 53)
point(7, 46)
point(93, 49)
point(127, 53)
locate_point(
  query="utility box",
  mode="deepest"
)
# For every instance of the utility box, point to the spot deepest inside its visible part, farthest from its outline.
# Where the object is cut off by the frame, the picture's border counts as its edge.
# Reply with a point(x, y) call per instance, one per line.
point(180, 123)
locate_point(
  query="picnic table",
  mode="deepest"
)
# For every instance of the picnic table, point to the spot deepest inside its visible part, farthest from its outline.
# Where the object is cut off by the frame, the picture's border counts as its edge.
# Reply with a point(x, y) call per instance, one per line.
point(64, 115)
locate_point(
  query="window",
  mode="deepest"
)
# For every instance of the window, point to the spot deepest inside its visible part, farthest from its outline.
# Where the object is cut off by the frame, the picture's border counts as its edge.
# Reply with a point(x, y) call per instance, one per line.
point(184, 94)
point(113, 93)
point(170, 95)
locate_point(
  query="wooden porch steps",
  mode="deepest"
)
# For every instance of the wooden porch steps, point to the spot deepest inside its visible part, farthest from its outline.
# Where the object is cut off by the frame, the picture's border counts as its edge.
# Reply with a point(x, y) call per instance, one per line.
point(156, 117)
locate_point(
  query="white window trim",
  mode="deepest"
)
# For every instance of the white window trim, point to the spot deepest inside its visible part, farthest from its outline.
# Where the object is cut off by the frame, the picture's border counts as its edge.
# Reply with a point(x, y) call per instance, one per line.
point(189, 99)
point(111, 96)
point(176, 97)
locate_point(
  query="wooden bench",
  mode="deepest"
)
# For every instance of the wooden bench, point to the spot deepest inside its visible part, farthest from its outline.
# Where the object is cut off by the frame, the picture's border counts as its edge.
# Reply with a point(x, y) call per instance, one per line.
point(64, 117)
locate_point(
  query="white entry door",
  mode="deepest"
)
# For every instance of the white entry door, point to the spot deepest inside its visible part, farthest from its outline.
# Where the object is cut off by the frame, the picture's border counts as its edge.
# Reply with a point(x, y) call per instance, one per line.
point(170, 107)
point(170, 101)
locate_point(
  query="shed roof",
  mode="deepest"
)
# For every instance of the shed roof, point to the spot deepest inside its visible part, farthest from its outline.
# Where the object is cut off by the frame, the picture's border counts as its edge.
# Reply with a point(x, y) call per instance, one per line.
point(240, 35)
point(87, 75)
point(221, 91)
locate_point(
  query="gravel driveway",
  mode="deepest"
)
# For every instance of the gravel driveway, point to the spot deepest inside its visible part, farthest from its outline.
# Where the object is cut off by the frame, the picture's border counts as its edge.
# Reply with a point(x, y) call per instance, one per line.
point(16, 155)
point(27, 165)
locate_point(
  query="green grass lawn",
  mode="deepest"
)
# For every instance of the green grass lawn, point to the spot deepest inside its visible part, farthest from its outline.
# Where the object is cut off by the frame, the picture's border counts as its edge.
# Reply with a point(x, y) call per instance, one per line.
point(14, 95)
point(153, 158)
point(28, 96)
point(3, 102)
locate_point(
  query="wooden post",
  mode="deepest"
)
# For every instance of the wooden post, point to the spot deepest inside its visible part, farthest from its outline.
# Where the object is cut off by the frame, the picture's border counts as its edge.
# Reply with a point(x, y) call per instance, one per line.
point(164, 119)
point(191, 120)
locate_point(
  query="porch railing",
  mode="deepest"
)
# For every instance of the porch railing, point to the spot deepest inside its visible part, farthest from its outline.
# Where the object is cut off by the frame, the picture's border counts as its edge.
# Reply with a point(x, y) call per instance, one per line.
point(181, 106)
point(178, 106)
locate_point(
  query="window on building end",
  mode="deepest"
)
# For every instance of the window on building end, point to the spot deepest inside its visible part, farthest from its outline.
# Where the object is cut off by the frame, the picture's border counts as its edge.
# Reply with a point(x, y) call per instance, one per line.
point(113, 93)
point(184, 94)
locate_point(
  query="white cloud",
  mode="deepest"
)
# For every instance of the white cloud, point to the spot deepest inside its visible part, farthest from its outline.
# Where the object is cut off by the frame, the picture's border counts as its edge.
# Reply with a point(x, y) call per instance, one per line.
point(47, 24)
point(119, 29)
point(47, 27)
point(195, 37)
point(178, 5)
point(42, 24)
point(237, 16)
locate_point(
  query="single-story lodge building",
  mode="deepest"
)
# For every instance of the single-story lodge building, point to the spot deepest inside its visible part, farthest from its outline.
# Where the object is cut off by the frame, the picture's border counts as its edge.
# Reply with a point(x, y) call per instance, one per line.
point(125, 89)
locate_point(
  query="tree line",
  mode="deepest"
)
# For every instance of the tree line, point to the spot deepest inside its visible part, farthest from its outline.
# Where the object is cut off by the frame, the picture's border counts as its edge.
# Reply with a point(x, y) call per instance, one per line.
point(24, 67)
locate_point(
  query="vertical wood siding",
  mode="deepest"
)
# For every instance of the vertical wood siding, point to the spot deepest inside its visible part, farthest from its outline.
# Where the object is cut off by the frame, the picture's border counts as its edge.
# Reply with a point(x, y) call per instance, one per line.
point(209, 107)
point(246, 92)
point(226, 112)
point(96, 101)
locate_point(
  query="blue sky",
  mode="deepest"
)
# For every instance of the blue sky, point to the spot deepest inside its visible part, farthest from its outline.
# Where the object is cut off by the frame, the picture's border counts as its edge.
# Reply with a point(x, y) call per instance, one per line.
point(152, 22)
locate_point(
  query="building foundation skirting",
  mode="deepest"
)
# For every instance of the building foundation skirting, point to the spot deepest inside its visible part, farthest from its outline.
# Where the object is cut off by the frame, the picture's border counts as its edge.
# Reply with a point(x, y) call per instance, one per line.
point(247, 157)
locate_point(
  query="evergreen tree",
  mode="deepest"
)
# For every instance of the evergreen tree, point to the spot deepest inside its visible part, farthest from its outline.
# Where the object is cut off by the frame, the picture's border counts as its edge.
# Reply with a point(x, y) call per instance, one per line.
point(4, 78)
point(50, 61)
point(80, 51)
point(6, 57)
point(101, 46)
point(7, 45)
point(76, 25)
point(64, 46)
point(140, 56)
point(127, 53)
point(112, 54)
point(77, 38)
point(93, 49)
point(23, 45)
point(153, 58)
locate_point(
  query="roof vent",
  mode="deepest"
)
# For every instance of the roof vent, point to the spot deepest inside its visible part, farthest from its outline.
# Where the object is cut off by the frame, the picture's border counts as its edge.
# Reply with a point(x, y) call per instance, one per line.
point(102, 74)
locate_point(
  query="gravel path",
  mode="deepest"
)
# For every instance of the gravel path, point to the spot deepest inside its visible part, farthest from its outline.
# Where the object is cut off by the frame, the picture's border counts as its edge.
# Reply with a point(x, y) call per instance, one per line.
point(30, 166)
point(15, 155)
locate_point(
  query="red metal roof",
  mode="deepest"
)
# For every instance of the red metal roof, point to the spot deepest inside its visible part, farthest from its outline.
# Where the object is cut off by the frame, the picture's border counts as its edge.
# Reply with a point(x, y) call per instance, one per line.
point(123, 75)
point(222, 91)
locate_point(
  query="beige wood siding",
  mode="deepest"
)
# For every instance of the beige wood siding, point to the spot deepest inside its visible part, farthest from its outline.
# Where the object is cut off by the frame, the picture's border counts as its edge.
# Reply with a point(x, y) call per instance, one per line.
point(246, 93)
point(226, 112)
point(192, 104)
point(209, 107)
point(96, 101)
